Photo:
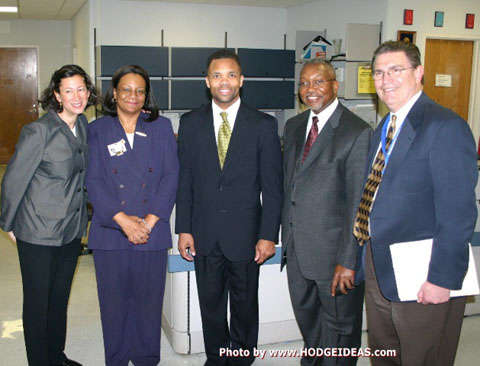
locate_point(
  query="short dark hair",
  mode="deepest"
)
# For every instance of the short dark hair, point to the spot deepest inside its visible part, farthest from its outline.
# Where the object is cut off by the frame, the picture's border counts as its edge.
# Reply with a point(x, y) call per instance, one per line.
point(411, 51)
point(223, 53)
point(109, 105)
point(48, 101)
point(321, 62)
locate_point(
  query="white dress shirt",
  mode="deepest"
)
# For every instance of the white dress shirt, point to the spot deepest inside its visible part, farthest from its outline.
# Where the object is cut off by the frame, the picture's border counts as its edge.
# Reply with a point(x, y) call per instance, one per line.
point(130, 138)
point(401, 115)
point(231, 116)
point(323, 117)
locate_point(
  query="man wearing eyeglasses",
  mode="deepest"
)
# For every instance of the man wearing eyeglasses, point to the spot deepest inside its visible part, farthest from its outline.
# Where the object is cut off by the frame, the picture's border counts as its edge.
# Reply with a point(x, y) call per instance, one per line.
point(325, 154)
point(420, 185)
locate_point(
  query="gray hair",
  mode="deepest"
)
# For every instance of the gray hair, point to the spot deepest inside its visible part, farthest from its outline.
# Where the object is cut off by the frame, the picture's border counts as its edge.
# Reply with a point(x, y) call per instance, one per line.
point(321, 62)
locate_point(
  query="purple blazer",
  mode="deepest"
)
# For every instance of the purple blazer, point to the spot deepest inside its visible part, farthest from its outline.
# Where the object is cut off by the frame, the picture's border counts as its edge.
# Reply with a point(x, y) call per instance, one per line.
point(140, 181)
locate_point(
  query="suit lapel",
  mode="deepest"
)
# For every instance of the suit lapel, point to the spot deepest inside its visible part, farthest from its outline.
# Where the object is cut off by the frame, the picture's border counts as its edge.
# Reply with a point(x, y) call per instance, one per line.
point(323, 139)
point(126, 160)
point(81, 131)
point(300, 134)
point(207, 130)
point(239, 134)
point(75, 142)
point(140, 156)
point(406, 136)
point(400, 150)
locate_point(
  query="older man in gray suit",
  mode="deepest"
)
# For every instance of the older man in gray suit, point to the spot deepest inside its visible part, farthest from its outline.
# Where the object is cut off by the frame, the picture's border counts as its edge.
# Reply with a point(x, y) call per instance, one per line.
point(324, 162)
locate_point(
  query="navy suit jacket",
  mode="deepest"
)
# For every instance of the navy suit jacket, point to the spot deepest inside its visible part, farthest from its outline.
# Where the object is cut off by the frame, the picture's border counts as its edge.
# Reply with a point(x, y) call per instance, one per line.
point(427, 191)
point(224, 206)
point(141, 181)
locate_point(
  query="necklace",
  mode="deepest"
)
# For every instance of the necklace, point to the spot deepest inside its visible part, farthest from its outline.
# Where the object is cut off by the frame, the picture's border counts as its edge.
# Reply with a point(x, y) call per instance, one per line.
point(128, 127)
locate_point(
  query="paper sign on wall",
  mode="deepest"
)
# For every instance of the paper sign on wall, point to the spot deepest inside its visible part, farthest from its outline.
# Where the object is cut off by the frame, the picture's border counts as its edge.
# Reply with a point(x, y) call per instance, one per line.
point(443, 80)
point(365, 81)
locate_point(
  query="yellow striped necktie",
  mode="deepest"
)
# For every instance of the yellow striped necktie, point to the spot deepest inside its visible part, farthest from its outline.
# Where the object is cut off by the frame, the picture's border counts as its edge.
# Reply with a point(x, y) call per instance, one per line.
point(224, 134)
point(361, 229)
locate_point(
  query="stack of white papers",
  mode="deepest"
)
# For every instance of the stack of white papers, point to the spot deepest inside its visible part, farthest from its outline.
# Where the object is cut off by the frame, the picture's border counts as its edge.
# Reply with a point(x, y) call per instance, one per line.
point(410, 264)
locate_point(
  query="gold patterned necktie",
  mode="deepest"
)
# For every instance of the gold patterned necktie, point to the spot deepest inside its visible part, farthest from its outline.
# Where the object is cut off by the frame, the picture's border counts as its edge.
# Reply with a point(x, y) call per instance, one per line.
point(224, 134)
point(361, 228)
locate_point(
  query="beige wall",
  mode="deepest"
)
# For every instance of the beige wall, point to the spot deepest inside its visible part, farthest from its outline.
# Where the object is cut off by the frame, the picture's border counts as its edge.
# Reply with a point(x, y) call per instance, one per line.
point(188, 25)
point(52, 37)
point(454, 28)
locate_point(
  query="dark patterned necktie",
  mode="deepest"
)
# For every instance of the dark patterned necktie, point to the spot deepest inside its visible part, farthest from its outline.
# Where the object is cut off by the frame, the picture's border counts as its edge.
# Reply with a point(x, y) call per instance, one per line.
point(312, 136)
point(361, 228)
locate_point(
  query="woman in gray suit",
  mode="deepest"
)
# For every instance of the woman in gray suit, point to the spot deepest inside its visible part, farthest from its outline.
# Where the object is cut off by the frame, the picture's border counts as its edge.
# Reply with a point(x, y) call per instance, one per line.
point(43, 209)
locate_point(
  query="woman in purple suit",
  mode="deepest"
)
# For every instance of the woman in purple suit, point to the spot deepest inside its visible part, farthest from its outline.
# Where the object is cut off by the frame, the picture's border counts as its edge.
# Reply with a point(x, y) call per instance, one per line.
point(131, 182)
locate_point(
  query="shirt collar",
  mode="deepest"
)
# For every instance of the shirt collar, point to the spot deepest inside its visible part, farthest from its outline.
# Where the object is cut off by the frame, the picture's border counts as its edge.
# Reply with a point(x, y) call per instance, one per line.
point(231, 111)
point(326, 113)
point(403, 112)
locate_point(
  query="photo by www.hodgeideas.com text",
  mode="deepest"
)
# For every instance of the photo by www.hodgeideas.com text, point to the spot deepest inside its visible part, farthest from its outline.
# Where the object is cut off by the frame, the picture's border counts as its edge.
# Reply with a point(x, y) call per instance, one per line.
point(307, 352)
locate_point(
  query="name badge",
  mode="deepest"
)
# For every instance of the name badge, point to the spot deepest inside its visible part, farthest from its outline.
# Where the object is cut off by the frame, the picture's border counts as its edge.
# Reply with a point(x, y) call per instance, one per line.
point(117, 148)
point(140, 134)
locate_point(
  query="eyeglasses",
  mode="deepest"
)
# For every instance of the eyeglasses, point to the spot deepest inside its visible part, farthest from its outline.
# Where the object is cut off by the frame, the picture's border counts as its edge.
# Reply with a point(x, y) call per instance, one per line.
point(127, 91)
point(395, 72)
point(314, 84)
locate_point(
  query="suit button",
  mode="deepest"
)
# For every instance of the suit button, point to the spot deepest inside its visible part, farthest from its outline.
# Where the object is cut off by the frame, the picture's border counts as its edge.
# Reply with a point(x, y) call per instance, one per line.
point(78, 209)
point(220, 188)
point(79, 190)
point(122, 203)
point(84, 188)
point(81, 170)
point(80, 151)
point(293, 203)
point(121, 186)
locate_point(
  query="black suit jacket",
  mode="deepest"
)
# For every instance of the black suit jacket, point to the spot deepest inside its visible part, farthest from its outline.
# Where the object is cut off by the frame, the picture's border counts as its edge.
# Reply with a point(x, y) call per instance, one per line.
point(322, 193)
point(240, 204)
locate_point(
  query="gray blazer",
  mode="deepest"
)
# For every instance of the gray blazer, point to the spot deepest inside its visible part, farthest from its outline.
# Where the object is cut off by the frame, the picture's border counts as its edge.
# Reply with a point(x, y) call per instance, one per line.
point(43, 196)
point(321, 195)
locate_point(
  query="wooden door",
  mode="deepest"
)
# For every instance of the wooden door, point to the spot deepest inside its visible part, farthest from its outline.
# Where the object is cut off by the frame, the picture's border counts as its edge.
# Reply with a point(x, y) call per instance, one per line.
point(448, 69)
point(18, 95)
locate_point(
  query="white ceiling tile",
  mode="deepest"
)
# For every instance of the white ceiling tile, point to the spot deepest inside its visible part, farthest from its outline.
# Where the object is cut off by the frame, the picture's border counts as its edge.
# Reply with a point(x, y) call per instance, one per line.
point(66, 9)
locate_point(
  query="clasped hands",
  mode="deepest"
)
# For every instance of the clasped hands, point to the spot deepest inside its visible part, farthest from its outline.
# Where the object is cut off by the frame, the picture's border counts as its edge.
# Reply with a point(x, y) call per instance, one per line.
point(136, 229)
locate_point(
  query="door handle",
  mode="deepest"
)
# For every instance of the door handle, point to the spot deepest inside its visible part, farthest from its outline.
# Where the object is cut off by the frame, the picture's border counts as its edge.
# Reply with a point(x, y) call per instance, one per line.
point(34, 108)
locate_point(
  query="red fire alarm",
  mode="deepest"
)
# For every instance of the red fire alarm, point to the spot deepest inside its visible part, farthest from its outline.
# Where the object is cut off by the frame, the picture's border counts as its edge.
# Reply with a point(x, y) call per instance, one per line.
point(470, 21)
point(408, 16)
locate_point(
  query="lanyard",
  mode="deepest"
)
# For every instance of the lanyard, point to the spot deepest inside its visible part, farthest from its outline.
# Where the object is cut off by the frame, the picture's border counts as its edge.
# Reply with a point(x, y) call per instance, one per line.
point(384, 140)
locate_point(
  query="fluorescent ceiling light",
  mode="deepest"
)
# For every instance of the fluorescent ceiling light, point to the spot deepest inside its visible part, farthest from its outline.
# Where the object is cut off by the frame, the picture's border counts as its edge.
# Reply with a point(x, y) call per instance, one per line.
point(8, 9)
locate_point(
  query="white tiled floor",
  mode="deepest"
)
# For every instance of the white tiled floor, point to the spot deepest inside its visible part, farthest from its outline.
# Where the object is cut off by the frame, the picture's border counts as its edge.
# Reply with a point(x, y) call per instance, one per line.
point(84, 340)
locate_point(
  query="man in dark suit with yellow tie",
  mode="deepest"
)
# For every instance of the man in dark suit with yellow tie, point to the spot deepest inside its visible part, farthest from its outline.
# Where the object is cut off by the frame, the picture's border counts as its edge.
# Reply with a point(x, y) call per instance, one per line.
point(228, 207)
point(422, 174)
